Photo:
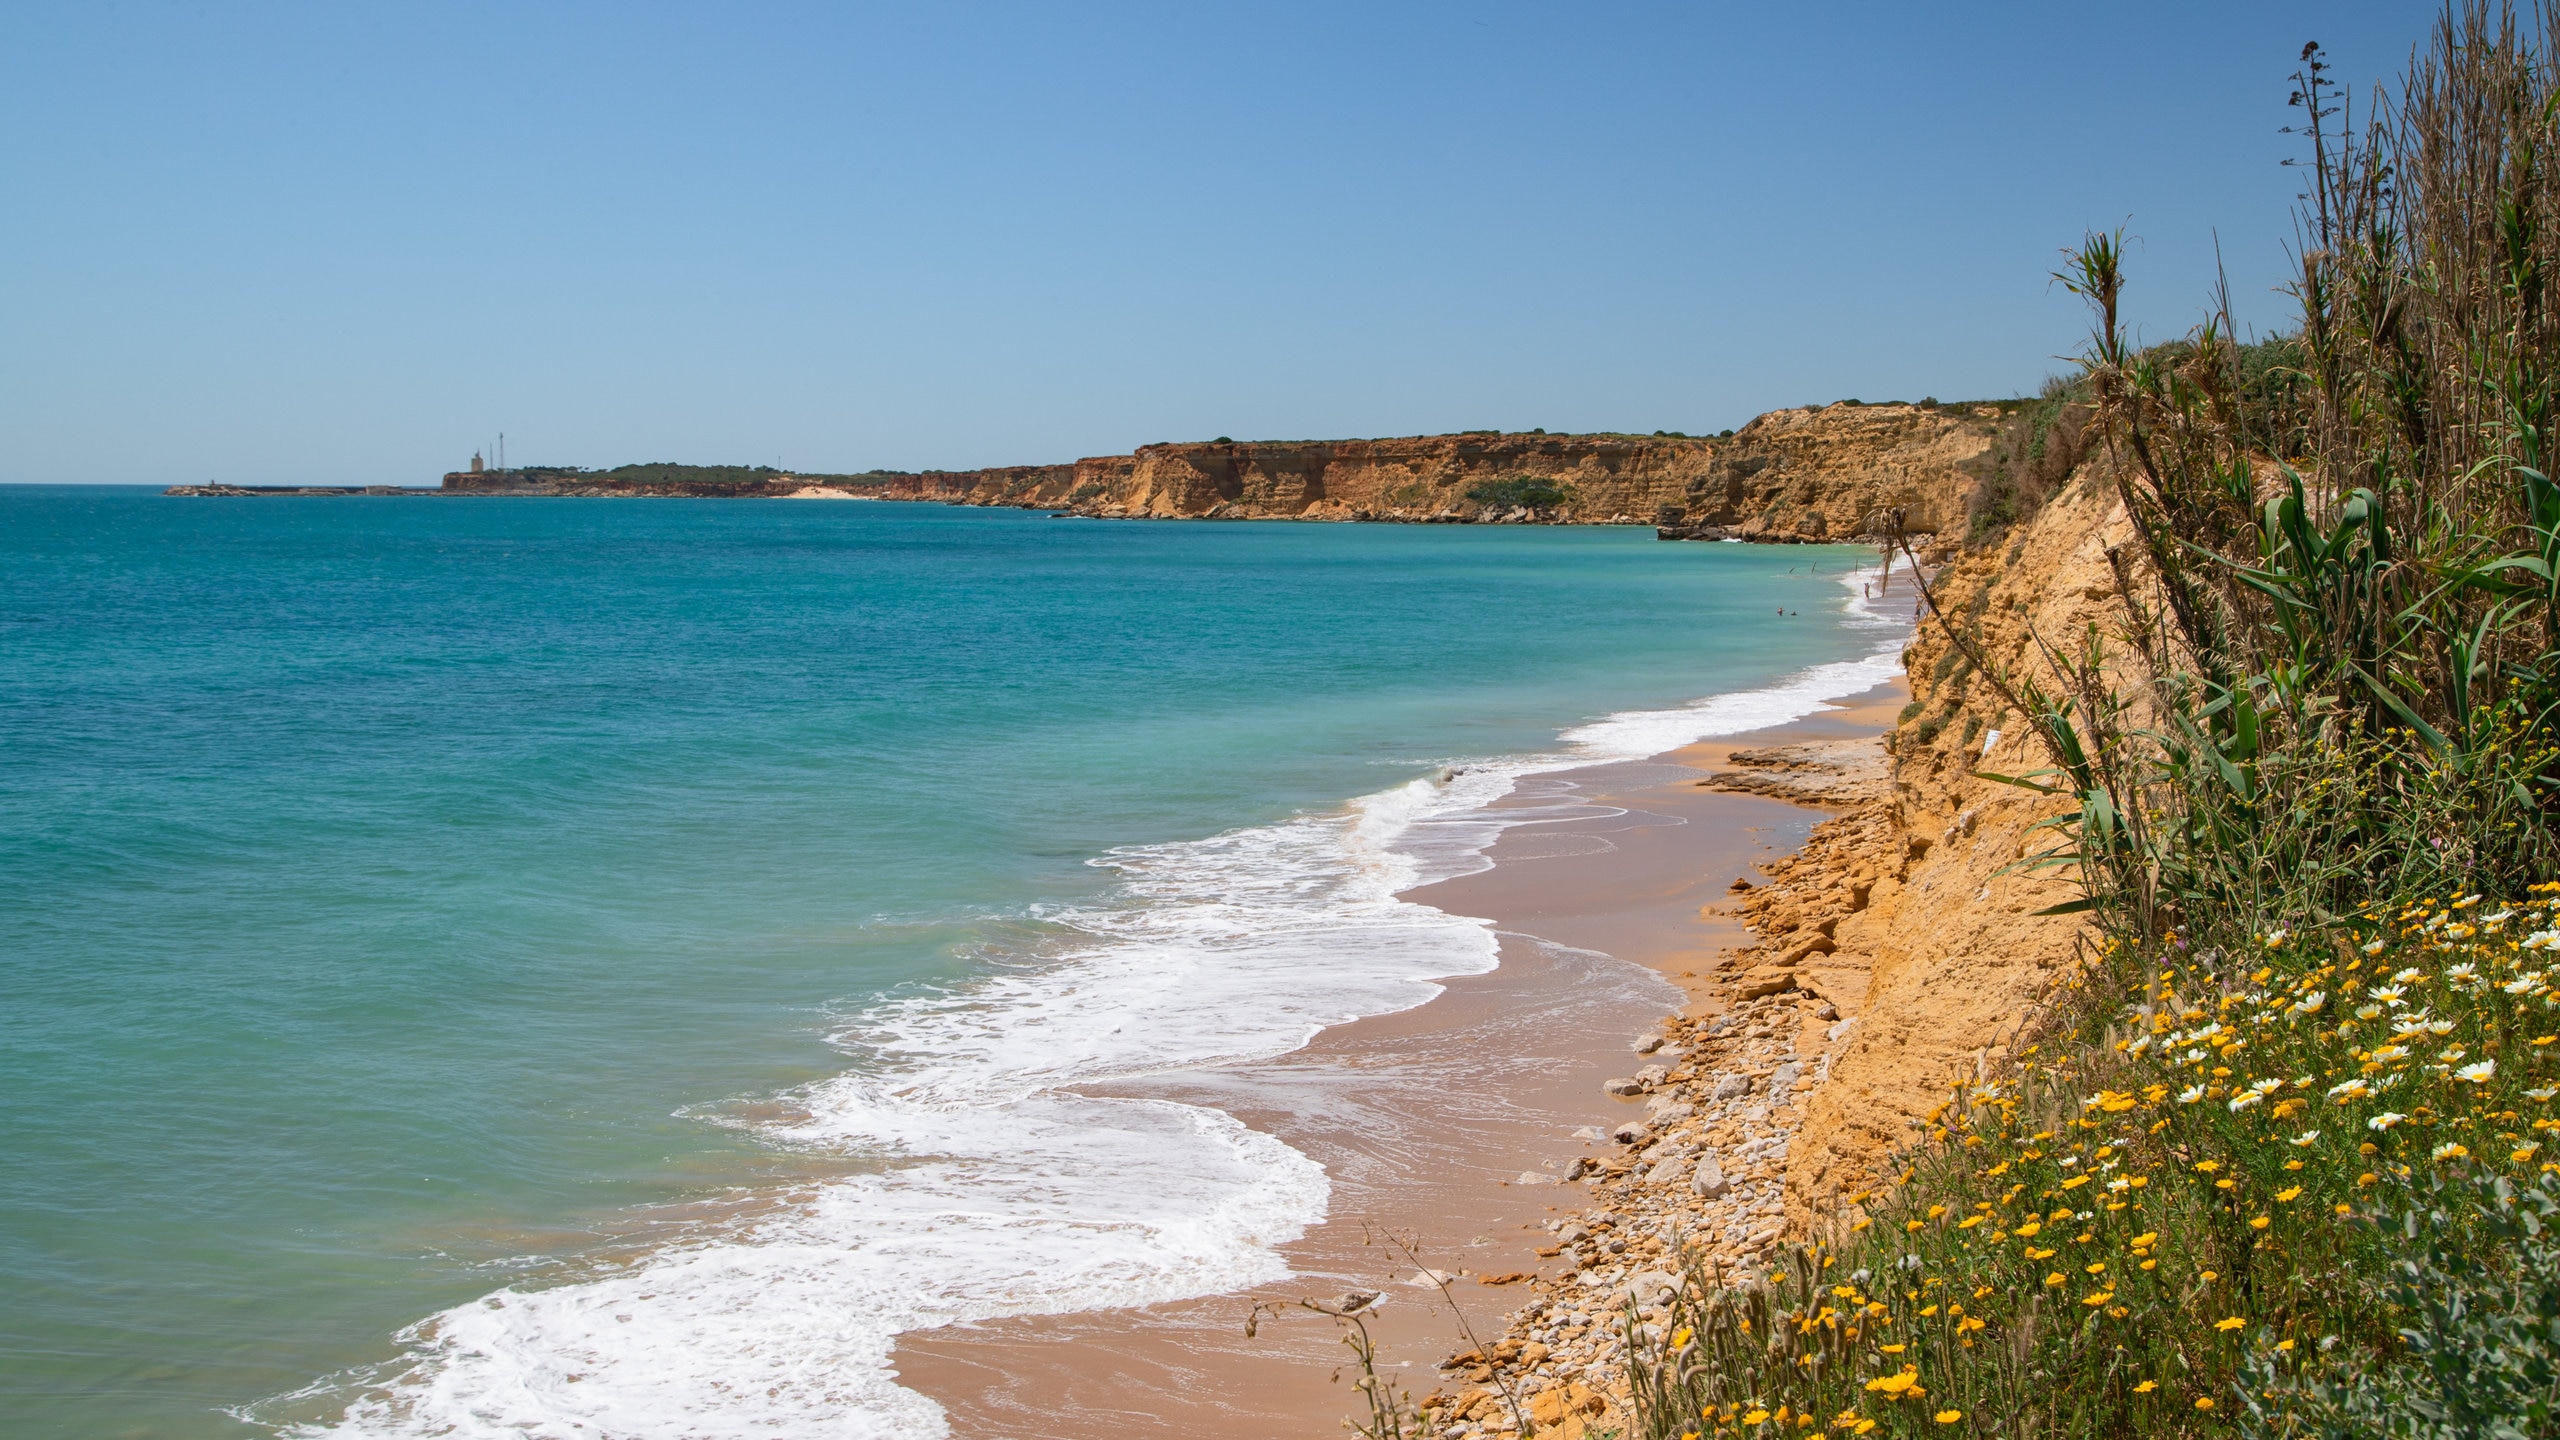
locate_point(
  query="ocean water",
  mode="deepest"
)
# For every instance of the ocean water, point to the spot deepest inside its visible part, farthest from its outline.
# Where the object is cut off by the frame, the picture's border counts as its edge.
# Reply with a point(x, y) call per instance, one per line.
point(605, 969)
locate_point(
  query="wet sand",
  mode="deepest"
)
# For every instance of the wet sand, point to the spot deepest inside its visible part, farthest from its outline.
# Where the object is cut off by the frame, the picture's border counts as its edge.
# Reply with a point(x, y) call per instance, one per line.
point(1430, 1122)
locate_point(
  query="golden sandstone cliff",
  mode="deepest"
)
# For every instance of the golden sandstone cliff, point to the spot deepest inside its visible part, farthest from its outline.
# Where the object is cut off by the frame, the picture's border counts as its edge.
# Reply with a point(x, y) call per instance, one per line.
point(1945, 965)
point(1821, 473)
point(1889, 956)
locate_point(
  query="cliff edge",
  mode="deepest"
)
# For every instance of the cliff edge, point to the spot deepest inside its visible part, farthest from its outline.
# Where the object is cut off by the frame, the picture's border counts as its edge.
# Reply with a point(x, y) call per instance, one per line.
point(1811, 474)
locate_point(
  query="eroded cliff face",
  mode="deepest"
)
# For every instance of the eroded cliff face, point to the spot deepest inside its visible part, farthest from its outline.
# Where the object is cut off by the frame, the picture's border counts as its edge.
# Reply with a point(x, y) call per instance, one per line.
point(1935, 958)
point(1813, 474)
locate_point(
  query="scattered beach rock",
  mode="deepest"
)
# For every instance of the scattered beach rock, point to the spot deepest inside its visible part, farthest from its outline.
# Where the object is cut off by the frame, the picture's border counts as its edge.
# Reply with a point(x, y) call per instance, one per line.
point(1816, 772)
point(1625, 1085)
point(1708, 1182)
point(1650, 1287)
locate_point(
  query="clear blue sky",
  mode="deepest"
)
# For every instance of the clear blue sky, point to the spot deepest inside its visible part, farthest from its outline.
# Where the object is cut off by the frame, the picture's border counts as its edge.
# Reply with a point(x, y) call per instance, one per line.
point(348, 243)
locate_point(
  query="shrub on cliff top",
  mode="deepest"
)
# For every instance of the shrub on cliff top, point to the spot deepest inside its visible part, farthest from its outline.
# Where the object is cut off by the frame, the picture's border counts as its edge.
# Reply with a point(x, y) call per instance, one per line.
point(1521, 492)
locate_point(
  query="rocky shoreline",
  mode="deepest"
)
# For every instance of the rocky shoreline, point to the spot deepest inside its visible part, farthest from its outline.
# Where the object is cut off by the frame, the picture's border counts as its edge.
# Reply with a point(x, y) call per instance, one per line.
point(1698, 1179)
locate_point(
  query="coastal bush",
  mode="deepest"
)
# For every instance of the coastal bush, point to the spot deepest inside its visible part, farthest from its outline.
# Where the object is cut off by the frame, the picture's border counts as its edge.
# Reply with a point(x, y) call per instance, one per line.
point(2280, 1159)
point(2478, 1278)
point(1515, 492)
point(2029, 461)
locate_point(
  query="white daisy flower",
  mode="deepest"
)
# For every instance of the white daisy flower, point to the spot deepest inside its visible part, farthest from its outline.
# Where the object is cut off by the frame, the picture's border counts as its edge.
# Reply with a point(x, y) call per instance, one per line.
point(2191, 1095)
point(2306, 1138)
point(2477, 1072)
point(2385, 1120)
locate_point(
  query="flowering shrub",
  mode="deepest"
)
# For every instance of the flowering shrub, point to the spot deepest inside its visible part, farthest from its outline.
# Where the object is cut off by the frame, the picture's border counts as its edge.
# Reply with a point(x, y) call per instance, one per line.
point(2477, 1286)
point(2178, 1213)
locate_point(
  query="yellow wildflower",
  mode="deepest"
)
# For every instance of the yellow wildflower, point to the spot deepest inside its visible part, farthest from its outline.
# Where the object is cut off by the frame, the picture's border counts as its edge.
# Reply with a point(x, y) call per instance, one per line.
point(2234, 1323)
point(1895, 1384)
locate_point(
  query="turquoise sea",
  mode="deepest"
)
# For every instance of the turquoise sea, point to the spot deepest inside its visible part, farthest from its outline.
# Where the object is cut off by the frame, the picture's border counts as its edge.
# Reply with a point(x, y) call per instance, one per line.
point(559, 967)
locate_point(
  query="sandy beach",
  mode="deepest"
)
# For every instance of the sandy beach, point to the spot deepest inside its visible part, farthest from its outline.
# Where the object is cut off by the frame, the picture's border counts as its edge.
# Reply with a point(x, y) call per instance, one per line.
point(1446, 1129)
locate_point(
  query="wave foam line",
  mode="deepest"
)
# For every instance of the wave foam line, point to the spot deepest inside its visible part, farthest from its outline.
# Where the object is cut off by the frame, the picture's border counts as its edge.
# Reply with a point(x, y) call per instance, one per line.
point(999, 1190)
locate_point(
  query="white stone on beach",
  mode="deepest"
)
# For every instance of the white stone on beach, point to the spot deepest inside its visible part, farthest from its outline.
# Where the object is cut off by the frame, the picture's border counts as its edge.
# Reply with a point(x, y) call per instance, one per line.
point(1623, 1086)
point(1731, 1086)
point(1650, 1287)
point(1709, 1182)
point(1532, 1177)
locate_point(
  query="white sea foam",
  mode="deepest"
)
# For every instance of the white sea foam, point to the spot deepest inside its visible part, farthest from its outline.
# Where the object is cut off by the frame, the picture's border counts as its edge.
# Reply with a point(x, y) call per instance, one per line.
point(1001, 1191)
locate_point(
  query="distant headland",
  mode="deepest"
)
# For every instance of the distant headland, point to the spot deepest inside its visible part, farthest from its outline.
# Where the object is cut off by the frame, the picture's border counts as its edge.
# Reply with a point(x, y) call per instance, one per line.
point(1818, 473)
